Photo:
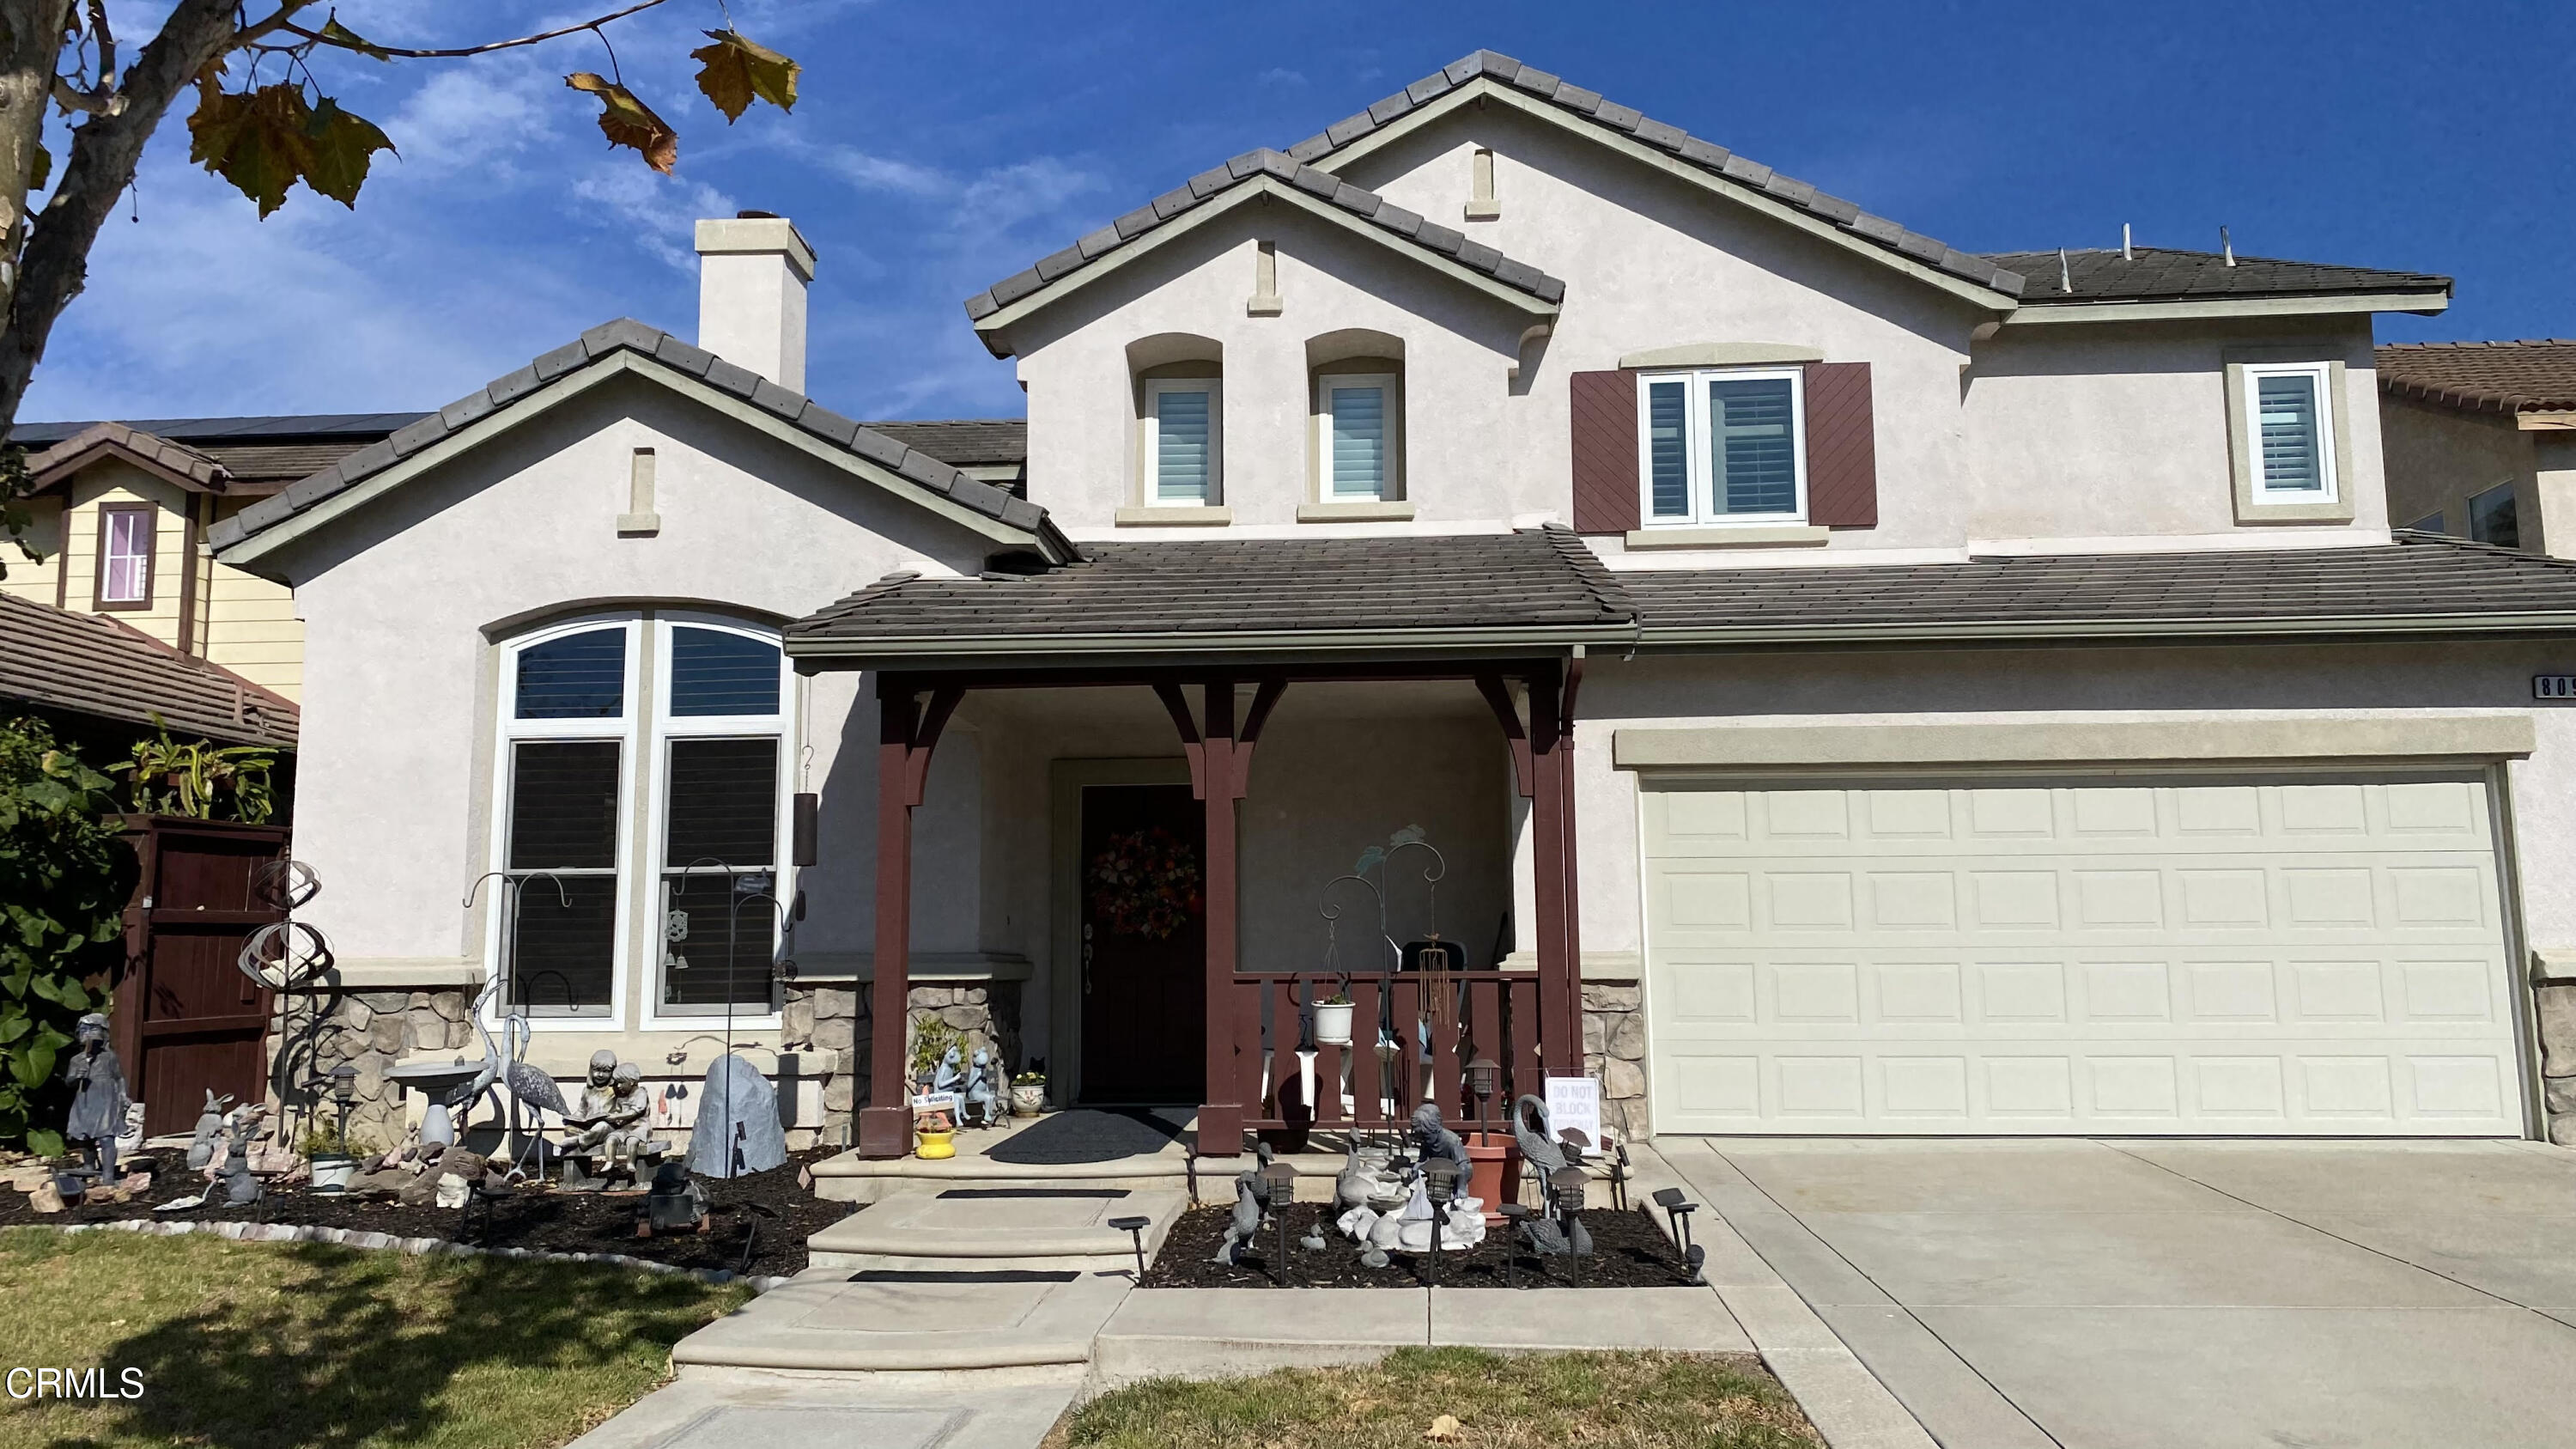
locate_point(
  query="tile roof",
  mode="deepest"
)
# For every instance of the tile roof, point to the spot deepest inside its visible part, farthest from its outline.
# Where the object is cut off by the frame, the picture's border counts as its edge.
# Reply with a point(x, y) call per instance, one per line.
point(93, 665)
point(176, 459)
point(627, 335)
point(1251, 168)
point(2168, 274)
point(962, 442)
point(2504, 377)
point(1254, 594)
point(2422, 581)
point(1229, 589)
point(1707, 156)
point(201, 431)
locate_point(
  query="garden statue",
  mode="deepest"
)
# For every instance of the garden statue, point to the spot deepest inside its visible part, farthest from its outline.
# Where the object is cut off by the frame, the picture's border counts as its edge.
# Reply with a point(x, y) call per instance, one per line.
point(1553, 1233)
point(738, 1129)
point(210, 1123)
point(981, 1100)
point(613, 1116)
point(231, 1171)
point(99, 1101)
point(946, 1077)
point(1251, 1200)
point(1432, 1139)
point(676, 1203)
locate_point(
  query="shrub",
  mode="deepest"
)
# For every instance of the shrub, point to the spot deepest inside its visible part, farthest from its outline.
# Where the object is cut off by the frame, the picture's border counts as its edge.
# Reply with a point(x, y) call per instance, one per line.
point(63, 885)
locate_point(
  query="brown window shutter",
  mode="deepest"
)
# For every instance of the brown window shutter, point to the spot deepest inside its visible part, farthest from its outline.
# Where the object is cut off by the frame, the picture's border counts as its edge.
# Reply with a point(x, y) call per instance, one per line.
point(1605, 452)
point(1842, 446)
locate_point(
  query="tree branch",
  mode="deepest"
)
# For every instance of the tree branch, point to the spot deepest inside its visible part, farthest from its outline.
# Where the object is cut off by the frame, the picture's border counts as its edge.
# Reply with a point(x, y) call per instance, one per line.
point(101, 99)
point(105, 149)
point(371, 48)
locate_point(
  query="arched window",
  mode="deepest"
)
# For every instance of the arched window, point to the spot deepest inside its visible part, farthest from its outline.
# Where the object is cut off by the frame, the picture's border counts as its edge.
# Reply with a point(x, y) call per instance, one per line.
point(1180, 414)
point(677, 721)
point(1358, 416)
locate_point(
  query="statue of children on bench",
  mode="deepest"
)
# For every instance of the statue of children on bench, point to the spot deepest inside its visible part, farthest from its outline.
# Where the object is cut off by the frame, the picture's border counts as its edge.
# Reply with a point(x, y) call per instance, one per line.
point(611, 1121)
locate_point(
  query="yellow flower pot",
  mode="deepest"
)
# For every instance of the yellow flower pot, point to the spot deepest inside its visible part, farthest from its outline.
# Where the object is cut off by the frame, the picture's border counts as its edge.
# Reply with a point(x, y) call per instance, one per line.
point(935, 1145)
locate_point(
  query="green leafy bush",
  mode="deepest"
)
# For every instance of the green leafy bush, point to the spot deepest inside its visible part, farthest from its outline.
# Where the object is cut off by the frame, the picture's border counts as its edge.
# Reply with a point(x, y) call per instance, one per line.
point(200, 779)
point(63, 884)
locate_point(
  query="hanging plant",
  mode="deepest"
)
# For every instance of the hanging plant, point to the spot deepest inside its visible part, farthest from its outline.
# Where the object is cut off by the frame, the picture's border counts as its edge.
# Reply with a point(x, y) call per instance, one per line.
point(1145, 884)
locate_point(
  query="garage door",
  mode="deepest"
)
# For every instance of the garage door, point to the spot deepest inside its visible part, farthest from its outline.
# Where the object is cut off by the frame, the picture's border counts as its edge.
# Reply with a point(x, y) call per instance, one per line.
point(2104, 955)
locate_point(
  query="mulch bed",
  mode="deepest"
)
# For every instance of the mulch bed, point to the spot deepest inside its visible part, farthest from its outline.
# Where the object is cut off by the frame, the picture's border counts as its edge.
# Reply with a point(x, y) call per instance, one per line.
point(1628, 1251)
point(540, 1220)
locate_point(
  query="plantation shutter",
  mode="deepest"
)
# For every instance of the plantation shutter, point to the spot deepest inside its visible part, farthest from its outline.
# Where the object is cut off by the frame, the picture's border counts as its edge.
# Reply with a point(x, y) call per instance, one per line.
point(1842, 446)
point(1605, 451)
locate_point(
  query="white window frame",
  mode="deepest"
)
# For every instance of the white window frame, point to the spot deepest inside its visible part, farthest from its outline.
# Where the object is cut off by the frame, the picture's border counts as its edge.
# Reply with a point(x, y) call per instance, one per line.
point(1150, 488)
point(667, 728)
point(1701, 462)
point(2320, 376)
point(1390, 386)
point(625, 730)
point(143, 533)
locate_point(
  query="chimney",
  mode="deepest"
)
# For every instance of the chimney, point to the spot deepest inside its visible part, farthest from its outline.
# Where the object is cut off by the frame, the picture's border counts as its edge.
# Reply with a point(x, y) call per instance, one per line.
point(752, 272)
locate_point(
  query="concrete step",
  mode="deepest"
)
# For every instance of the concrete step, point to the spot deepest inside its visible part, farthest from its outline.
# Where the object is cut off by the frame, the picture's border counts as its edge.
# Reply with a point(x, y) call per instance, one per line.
point(981, 1226)
point(824, 1323)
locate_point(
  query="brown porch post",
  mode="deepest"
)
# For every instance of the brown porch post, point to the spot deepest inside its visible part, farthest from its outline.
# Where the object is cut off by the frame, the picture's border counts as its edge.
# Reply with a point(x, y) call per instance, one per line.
point(905, 737)
point(1551, 824)
point(1220, 758)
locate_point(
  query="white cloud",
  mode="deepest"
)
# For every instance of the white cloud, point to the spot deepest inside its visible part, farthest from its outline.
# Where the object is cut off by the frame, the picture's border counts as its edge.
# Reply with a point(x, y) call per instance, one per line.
point(658, 213)
point(476, 117)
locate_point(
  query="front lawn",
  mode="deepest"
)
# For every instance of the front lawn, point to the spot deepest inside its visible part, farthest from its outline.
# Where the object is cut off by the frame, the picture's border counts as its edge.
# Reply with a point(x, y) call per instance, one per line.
point(251, 1345)
point(1536, 1401)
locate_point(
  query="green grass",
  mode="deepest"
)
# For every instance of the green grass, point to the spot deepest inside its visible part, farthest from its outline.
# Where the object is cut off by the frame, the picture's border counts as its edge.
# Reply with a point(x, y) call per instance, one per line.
point(252, 1345)
point(1537, 1401)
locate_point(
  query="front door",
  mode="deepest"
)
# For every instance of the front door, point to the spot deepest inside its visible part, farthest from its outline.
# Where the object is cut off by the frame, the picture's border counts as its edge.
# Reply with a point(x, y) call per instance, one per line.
point(1144, 944)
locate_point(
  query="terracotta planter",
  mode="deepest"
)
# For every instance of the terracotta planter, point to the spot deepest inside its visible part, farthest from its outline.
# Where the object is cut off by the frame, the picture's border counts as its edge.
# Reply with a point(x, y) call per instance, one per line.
point(1494, 1171)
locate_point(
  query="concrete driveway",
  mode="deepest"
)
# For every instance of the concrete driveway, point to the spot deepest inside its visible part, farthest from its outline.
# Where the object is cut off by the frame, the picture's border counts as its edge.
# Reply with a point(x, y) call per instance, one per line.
point(2102, 1295)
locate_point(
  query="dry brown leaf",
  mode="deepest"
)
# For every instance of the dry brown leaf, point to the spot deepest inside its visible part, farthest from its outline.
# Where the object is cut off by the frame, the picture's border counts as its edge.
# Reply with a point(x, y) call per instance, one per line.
point(1444, 1430)
point(626, 121)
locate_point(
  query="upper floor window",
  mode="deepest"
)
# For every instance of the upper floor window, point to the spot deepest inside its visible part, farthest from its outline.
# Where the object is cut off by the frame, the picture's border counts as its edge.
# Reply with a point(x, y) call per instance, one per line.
point(1360, 417)
point(2491, 517)
point(1184, 441)
point(2293, 439)
point(125, 555)
point(1717, 447)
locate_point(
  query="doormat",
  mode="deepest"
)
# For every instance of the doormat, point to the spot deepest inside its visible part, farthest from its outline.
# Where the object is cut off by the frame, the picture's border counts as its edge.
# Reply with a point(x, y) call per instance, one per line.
point(1093, 1134)
point(988, 1275)
point(990, 1192)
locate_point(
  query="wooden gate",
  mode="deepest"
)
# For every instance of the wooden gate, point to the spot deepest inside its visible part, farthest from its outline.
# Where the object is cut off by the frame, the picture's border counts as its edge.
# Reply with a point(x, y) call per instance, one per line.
point(187, 1019)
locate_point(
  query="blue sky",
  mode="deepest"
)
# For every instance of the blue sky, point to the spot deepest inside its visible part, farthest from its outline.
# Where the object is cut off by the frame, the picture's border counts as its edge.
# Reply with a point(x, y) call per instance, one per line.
point(941, 146)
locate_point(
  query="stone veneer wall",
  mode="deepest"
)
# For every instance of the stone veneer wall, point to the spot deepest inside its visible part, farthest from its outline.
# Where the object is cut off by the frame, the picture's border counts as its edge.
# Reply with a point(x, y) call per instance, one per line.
point(838, 1021)
point(370, 1030)
point(2554, 1004)
point(1614, 1052)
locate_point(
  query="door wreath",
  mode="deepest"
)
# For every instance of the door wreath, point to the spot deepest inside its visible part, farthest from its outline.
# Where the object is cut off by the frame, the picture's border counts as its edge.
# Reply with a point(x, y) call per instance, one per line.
point(1146, 883)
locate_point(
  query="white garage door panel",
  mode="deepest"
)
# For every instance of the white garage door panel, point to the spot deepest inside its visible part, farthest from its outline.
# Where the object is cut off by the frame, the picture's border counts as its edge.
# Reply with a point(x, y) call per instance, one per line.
point(2282, 956)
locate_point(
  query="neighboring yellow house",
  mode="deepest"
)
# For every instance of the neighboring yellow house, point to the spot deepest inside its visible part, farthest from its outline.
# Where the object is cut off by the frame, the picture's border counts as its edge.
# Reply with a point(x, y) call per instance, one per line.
point(121, 510)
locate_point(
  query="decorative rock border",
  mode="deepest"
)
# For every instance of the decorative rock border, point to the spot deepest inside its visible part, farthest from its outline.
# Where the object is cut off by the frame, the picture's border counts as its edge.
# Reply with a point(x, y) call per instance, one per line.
point(352, 1238)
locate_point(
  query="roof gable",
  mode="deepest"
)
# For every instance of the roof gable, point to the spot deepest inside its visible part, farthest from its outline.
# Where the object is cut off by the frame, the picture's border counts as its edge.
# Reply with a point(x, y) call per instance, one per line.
point(1252, 176)
point(620, 348)
point(1486, 75)
point(173, 463)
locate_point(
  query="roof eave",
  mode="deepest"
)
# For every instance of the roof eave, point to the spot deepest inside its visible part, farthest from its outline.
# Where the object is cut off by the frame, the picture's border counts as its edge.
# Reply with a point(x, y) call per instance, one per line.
point(2312, 304)
point(1487, 88)
point(249, 552)
point(1066, 651)
point(992, 326)
point(1653, 639)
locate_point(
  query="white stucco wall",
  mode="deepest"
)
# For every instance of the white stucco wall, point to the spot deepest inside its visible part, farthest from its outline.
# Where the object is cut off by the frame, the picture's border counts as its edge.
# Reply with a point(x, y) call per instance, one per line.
point(2087, 435)
point(405, 598)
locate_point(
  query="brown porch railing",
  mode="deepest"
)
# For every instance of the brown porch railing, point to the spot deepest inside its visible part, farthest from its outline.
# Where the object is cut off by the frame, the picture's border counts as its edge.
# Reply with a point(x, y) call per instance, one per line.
point(1439, 1022)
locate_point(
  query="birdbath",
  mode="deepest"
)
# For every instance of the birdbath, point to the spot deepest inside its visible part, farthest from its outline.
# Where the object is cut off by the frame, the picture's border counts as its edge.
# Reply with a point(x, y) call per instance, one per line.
point(442, 1083)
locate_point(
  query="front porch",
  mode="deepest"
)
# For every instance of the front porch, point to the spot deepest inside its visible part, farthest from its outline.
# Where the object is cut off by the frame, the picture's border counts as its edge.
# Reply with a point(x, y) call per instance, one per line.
point(1376, 862)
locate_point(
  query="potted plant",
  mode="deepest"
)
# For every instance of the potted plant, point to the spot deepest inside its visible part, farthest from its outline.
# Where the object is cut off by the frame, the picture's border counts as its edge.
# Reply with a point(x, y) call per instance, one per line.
point(1333, 1020)
point(1028, 1094)
point(333, 1161)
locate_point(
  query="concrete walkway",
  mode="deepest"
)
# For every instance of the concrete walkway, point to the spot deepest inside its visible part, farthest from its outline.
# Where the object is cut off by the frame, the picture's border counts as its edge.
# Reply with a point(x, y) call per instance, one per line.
point(2101, 1295)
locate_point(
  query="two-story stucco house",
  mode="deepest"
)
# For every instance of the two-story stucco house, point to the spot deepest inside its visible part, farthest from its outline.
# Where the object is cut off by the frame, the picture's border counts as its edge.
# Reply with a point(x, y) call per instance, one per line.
point(1846, 684)
point(2480, 439)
